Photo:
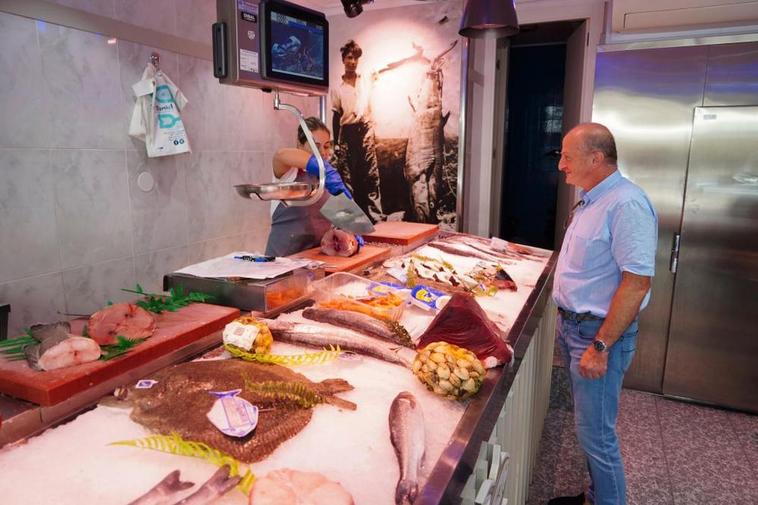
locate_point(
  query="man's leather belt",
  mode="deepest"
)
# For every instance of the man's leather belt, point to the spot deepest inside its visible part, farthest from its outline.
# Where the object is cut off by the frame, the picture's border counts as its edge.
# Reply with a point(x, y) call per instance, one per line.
point(573, 316)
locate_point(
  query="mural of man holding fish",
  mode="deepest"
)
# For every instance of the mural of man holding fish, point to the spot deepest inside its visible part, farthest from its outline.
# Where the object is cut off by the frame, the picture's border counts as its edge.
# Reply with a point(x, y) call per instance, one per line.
point(354, 132)
point(402, 164)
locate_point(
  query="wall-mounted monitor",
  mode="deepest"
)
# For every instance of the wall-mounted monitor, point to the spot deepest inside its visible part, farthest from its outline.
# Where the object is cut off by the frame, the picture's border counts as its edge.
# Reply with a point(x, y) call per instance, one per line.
point(271, 44)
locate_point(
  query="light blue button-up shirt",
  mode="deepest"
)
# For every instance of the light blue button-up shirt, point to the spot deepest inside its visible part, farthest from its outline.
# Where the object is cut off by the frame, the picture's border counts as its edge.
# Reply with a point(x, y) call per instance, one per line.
point(614, 229)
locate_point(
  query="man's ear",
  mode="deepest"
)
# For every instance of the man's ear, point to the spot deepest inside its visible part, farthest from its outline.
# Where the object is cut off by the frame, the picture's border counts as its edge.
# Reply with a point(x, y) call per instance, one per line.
point(598, 157)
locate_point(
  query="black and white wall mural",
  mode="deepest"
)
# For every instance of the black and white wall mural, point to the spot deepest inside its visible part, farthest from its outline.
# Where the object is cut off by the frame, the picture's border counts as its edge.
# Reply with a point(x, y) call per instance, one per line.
point(395, 103)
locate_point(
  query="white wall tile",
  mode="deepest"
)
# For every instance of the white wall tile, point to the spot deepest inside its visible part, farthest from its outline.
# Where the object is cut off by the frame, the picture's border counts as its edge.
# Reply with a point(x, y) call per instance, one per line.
point(25, 117)
point(242, 127)
point(28, 231)
point(194, 19)
point(33, 300)
point(99, 7)
point(81, 76)
point(214, 248)
point(252, 169)
point(159, 16)
point(92, 205)
point(159, 216)
point(89, 288)
point(210, 190)
point(150, 268)
point(204, 114)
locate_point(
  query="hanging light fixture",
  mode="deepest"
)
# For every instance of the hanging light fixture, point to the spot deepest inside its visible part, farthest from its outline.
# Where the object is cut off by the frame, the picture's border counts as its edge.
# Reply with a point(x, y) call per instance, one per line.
point(489, 19)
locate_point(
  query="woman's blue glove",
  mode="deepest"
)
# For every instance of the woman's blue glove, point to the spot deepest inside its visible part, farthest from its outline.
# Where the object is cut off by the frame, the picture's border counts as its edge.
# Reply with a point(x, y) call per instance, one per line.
point(332, 179)
point(359, 239)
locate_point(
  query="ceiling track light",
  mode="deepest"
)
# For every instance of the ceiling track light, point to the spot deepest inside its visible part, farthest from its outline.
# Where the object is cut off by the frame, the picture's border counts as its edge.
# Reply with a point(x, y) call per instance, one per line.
point(354, 7)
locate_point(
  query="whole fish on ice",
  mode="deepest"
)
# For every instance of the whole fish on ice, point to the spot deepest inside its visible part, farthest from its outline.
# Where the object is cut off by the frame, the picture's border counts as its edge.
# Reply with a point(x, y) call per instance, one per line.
point(407, 435)
point(166, 491)
point(179, 400)
point(324, 335)
point(386, 330)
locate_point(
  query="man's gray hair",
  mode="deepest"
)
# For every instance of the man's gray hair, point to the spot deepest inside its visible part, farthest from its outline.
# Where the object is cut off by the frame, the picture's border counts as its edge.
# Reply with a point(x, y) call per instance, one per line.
point(599, 138)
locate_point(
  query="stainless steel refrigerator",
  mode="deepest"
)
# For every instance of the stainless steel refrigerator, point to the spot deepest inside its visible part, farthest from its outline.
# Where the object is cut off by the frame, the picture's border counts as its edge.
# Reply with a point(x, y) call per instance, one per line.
point(686, 125)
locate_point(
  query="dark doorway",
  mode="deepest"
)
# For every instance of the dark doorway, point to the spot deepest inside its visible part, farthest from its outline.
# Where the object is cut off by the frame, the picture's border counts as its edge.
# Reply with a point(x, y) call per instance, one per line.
point(535, 86)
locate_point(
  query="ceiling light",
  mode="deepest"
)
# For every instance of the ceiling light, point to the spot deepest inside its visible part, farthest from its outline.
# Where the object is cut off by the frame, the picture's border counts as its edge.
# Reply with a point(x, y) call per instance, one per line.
point(488, 19)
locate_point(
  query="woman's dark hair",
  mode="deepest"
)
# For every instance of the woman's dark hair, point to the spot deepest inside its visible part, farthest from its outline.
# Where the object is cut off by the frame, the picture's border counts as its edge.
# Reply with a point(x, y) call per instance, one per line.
point(351, 47)
point(313, 124)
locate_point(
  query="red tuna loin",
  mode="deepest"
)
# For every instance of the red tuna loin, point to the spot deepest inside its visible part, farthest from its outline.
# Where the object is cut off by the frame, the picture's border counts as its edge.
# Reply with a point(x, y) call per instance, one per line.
point(125, 319)
point(336, 242)
point(463, 322)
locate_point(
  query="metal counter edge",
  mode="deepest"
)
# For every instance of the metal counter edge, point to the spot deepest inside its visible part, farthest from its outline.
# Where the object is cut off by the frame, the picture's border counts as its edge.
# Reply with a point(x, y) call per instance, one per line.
point(456, 463)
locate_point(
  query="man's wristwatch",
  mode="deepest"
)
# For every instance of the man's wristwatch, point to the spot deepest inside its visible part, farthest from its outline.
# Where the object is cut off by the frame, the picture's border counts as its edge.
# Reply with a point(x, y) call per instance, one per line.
point(599, 345)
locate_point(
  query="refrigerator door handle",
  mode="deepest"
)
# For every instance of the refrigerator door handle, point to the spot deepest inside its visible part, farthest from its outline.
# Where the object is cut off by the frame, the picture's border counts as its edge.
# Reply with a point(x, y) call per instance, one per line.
point(674, 260)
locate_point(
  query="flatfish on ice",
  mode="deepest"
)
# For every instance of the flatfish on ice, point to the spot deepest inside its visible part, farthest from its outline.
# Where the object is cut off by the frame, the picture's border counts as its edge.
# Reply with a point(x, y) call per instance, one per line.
point(179, 400)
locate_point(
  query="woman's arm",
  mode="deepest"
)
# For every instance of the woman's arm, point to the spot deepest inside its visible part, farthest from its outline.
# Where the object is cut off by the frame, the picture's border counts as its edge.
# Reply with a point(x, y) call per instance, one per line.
point(289, 157)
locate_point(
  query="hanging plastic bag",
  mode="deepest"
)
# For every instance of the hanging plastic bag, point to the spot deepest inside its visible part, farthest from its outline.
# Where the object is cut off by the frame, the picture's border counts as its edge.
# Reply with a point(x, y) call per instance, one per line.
point(156, 118)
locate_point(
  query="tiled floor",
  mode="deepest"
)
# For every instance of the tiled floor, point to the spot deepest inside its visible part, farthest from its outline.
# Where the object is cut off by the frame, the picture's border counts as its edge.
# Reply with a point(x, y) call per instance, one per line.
point(675, 453)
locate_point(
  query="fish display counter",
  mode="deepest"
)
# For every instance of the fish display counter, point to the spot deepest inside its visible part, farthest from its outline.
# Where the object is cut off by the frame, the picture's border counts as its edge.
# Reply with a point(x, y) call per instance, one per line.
point(375, 397)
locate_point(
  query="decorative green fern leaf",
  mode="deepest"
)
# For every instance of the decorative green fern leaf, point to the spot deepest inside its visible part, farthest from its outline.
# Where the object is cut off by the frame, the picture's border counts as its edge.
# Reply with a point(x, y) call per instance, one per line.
point(401, 334)
point(313, 358)
point(175, 444)
point(295, 392)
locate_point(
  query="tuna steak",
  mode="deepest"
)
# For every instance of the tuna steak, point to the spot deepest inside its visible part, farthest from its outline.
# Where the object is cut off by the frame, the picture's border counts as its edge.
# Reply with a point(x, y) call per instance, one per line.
point(462, 322)
point(179, 401)
point(120, 319)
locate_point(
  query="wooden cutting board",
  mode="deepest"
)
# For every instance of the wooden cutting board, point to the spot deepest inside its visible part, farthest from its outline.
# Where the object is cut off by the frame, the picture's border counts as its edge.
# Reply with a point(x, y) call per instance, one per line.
point(366, 256)
point(400, 232)
point(173, 331)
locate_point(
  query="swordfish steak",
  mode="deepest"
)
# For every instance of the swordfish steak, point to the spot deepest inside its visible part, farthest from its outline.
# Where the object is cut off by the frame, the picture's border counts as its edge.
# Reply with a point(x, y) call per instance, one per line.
point(180, 399)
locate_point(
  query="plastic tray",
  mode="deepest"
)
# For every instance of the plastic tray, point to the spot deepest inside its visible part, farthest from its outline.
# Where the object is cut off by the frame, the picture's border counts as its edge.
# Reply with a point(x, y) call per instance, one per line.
point(353, 288)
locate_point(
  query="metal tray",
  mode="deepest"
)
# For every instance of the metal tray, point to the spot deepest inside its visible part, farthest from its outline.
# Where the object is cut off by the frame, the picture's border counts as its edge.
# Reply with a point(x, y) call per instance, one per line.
point(276, 191)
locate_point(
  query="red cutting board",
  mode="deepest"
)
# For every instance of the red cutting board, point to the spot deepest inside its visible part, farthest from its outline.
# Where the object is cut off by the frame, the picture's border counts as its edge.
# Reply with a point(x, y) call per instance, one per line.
point(173, 331)
point(400, 232)
point(366, 256)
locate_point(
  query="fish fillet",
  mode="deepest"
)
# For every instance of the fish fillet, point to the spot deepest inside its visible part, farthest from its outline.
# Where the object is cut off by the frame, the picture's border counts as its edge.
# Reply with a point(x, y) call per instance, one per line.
point(407, 435)
point(293, 487)
point(60, 349)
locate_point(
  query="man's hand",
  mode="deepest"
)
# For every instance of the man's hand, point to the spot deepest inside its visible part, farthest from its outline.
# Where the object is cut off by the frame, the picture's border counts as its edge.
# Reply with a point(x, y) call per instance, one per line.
point(593, 364)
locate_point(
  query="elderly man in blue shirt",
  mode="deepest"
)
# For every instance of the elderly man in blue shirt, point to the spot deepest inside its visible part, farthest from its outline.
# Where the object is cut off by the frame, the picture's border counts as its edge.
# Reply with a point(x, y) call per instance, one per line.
point(602, 281)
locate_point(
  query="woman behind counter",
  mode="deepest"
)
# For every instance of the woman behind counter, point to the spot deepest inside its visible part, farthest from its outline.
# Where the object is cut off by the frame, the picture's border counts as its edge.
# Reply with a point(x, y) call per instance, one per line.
point(294, 229)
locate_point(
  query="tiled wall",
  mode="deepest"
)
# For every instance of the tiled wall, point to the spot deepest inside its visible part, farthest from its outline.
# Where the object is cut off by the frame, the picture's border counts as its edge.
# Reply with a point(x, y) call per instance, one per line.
point(74, 225)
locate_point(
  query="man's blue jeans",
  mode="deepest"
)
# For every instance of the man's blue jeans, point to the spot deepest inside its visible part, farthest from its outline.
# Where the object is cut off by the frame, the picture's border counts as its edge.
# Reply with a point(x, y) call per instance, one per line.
point(596, 403)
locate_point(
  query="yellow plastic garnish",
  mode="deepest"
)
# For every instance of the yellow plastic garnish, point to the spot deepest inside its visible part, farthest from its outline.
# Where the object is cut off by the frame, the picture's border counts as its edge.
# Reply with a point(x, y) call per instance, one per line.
point(175, 444)
point(311, 358)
